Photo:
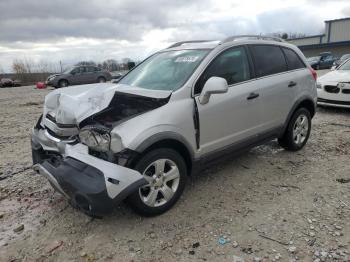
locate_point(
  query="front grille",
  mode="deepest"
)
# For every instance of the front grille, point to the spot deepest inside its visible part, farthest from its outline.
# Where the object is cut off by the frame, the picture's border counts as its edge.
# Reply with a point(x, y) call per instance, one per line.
point(332, 89)
point(50, 117)
point(346, 91)
point(53, 119)
point(57, 136)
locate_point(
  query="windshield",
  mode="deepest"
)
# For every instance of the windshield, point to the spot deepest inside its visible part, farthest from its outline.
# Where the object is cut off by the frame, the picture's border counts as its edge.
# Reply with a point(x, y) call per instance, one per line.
point(165, 71)
point(344, 57)
point(67, 71)
point(345, 66)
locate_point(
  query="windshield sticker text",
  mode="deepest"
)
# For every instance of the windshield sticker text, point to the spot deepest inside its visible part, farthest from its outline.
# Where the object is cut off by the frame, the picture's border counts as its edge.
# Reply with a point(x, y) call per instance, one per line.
point(186, 59)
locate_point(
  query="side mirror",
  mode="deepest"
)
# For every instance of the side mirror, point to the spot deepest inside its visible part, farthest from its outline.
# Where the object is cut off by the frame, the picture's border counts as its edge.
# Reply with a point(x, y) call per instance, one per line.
point(214, 85)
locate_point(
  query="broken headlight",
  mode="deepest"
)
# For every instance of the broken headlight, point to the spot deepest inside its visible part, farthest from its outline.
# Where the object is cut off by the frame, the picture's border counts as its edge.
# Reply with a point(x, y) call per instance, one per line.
point(96, 138)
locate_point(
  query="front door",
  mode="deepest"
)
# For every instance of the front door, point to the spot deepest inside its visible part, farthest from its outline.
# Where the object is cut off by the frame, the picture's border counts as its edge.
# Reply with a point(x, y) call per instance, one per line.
point(233, 117)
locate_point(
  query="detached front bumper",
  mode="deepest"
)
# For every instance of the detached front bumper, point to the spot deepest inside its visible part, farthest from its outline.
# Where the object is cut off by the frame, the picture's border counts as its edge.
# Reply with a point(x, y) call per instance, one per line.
point(89, 183)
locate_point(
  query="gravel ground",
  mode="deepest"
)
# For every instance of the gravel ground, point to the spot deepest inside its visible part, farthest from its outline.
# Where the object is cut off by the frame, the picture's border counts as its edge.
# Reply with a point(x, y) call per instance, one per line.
point(266, 205)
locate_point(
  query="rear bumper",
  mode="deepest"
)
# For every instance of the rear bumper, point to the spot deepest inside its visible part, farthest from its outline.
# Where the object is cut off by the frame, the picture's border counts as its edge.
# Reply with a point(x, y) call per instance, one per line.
point(91, 184)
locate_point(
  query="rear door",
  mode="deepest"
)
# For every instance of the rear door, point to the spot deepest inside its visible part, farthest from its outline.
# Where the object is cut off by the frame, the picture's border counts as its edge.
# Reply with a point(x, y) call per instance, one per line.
point(276, 83)
point(233, 117)
point(79, 77)
point(91, 74)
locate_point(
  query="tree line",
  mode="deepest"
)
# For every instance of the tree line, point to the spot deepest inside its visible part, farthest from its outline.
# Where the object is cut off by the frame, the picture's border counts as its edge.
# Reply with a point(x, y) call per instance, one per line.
point(28, 66)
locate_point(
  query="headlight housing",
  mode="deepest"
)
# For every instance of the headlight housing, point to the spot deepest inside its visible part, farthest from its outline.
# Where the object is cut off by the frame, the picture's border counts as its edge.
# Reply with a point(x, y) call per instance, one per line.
point(96, 138)
point(319, 86)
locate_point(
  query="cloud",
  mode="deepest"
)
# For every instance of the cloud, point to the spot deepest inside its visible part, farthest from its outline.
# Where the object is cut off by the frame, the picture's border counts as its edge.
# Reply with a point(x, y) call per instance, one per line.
point(99, 29)
point(34, 20)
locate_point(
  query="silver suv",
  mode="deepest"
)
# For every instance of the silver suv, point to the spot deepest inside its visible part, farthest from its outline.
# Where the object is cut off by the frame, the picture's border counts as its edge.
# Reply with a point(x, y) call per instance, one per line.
point(140, 139)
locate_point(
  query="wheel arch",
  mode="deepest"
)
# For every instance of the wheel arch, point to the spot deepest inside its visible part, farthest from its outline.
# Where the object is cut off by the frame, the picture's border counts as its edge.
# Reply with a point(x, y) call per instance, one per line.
point(62, 79)
point(305, 102)
point(168, 140)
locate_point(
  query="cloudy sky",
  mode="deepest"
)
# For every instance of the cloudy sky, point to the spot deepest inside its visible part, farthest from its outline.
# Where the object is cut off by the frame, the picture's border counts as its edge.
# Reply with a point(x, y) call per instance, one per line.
point(73, 30)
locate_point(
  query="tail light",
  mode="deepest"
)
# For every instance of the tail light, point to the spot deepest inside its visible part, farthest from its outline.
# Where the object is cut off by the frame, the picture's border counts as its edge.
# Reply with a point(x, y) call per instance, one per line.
point(313, 73)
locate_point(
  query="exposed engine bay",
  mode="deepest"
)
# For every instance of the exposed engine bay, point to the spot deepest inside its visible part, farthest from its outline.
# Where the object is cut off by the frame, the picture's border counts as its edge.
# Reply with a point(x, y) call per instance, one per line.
point(122, 107)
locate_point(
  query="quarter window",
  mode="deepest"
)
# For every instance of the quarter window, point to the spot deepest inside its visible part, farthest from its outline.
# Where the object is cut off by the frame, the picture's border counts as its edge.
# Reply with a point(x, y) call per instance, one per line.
point(293, 60)
point(232, 65)
point(268, 60)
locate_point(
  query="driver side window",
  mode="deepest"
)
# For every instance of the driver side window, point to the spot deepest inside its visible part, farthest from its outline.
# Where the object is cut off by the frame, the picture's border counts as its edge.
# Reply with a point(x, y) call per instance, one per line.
point(231, 64)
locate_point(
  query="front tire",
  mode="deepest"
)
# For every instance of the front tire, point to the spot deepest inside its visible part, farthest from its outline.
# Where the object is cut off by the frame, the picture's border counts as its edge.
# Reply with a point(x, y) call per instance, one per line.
point(62, 83)
point(166, 173)
point(101, 79)
point(298, 131)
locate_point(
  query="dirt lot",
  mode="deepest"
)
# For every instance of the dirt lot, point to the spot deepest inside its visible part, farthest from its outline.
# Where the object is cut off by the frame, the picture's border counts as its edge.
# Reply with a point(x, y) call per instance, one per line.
point(266, 205)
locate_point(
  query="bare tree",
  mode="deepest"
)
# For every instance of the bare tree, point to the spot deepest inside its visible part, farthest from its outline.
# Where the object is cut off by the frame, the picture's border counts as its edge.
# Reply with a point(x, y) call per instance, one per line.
point(19, 67)
point(86, 63)
point(29, 65)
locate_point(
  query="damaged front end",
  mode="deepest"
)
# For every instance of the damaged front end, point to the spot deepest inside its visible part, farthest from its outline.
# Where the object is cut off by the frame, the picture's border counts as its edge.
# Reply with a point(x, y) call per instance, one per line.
point(74, 148)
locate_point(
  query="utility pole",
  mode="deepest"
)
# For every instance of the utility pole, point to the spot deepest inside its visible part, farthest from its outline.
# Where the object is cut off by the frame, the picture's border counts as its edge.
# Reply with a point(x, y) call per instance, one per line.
point(61, 65)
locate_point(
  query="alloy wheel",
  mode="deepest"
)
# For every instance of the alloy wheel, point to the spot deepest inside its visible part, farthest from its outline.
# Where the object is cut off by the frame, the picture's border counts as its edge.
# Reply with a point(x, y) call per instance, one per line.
point(300, 129)
point(163, 179)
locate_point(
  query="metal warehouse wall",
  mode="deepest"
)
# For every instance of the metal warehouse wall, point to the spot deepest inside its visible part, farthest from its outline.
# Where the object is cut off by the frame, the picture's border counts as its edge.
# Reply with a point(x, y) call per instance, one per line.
point(305, 41)
point(340, 31)
point(336, 51)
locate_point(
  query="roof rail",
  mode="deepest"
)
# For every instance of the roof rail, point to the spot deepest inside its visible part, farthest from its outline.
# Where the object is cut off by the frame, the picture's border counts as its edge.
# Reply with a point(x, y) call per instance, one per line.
point(258, 37)
point(188, 42)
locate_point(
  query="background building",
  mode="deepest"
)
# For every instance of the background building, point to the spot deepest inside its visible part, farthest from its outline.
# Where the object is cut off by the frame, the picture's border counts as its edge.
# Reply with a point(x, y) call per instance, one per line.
point(336, 39)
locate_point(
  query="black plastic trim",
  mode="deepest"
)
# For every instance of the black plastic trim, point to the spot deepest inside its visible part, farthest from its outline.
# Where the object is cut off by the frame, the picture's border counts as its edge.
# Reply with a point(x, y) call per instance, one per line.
point(236, 149)
point(164, 136)
point(295, 106)
point(335, 102)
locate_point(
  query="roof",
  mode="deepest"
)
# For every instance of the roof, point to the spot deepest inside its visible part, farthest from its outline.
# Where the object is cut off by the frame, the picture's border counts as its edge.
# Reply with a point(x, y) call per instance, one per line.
point(337, 20)
point(205, 44)
point(210, 44)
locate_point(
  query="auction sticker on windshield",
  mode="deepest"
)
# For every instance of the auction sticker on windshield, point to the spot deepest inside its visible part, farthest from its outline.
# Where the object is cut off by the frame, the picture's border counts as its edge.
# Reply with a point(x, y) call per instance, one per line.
point(186, 59)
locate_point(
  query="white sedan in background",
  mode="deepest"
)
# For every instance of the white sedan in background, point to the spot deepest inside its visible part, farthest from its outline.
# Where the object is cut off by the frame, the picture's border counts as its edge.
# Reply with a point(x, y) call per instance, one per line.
point(333, 88)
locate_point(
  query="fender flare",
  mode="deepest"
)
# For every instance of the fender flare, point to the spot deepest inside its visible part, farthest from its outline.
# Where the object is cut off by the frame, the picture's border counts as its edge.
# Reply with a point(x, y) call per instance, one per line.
point(296, 105)
point(166, 135)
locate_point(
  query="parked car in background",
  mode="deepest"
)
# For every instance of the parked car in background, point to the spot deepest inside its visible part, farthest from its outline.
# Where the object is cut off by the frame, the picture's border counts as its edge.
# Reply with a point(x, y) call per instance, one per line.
point(341, 60)
point(333, 88)
point(8, 82)
point(194, 101)
point(116, 76)
point(79, 75)
point(323, 61)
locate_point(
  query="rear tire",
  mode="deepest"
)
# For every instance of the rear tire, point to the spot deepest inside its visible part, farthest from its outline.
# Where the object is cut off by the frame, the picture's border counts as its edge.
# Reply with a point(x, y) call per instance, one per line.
point(62, 83)
point(298, 131)
point(166, 173)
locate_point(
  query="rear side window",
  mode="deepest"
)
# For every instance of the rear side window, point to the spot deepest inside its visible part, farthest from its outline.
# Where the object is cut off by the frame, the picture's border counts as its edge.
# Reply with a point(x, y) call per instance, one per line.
point(231, 64)
point(90, 69)
point(268, 60)
point(293, 60)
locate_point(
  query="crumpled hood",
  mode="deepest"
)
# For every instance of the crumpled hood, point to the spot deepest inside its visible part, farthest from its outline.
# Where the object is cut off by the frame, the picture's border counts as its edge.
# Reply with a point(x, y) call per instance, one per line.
point(74, 104)
point(336, 76)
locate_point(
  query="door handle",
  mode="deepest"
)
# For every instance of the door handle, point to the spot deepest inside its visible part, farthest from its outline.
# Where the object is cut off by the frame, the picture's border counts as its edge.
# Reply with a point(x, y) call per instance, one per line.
point(292, 83)
point(252, 95)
